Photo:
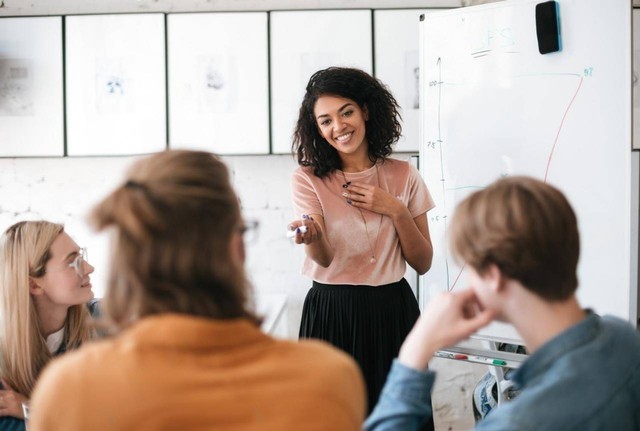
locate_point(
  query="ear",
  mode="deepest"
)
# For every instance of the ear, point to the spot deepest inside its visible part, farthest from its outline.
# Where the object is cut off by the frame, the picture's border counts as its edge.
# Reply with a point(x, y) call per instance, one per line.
point(35, 287)
point(365, 112)
point(236, 249)
point(495, 279)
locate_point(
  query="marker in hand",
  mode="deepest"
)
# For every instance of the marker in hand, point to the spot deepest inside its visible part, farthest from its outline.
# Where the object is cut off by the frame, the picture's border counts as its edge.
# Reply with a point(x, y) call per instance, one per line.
point(293, 233)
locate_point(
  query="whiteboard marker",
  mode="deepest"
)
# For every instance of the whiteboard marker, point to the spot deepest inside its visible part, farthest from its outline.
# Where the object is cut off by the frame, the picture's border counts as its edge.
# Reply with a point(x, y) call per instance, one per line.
point(293, 233)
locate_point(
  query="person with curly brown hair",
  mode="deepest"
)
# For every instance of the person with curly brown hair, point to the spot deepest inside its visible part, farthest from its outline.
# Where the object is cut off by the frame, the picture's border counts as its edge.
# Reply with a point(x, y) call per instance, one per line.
point(361, 216)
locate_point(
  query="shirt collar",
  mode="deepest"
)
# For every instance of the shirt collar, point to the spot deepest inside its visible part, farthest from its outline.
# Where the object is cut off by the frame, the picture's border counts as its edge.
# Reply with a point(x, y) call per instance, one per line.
point(186, 331)
point(54, 341)
point(551, 351)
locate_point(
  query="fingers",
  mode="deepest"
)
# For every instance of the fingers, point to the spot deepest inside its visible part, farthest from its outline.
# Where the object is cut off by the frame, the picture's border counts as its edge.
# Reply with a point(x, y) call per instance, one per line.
point(7, 385)
point(358, 194)
point(304, 231)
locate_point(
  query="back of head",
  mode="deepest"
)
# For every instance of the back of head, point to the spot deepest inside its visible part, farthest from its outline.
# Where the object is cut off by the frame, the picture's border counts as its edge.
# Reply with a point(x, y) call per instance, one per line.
point(382, 127)
point(527, 229)
point(24, 252)
point(172, 222)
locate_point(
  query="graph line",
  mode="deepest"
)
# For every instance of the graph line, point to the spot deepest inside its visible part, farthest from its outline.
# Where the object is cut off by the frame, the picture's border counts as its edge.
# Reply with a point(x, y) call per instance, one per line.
point(553, 148)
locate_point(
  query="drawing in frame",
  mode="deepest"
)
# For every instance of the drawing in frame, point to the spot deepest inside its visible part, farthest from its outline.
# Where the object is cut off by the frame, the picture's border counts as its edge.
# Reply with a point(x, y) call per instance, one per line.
point(218, 82)
point(31, 96)
point(115, 84)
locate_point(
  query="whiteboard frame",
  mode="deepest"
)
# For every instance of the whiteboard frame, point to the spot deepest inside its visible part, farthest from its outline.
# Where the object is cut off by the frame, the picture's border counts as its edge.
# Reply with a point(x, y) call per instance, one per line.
point(302, 43)
point(32, 115)
point(228, 112)
point(115, 84)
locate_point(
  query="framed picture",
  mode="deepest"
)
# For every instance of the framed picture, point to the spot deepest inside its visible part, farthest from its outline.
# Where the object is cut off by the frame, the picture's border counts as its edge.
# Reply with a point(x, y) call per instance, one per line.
point(636, 79)
point(115, 84)
point(397, 39)
point(31, 95)
point(303, 42)
point(219, 82)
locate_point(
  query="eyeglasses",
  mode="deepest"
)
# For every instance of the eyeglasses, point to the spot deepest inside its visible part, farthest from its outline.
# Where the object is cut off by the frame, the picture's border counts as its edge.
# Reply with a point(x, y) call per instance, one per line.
point(249, 231)
point(78, 263)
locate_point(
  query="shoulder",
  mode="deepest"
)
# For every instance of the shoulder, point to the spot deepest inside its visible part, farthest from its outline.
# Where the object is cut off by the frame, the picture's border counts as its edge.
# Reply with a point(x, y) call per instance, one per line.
point(317, 351)
point(396, 165)
point(303, 176)
point(70, 372)
point(303, 172)
point(399, 169)
point(620, 327)
point(320, 359)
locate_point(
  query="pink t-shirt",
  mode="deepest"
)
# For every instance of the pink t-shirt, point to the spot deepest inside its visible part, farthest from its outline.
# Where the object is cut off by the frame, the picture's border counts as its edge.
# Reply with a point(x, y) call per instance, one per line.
point(345, 229)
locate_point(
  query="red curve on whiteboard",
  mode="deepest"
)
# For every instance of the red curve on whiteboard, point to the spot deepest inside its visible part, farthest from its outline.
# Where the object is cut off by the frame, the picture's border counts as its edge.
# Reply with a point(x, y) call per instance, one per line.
point(546, 172)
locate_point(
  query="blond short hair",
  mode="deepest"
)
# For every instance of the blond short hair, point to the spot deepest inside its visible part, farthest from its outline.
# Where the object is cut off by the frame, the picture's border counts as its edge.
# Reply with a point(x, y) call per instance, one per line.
point(525, 227)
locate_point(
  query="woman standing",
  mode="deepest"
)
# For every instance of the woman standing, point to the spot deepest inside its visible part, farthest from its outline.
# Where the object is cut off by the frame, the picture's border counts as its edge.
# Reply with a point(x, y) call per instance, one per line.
point(44, 292)
point(364, 216)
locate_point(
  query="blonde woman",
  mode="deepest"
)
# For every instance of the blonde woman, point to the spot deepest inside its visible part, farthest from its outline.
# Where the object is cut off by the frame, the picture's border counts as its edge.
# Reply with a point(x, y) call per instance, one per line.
point(189, 353)
point(44, 291)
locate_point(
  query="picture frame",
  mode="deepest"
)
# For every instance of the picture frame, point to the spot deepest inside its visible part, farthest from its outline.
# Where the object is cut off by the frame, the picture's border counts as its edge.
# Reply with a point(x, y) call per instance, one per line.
point(115, 84)
point(218, 81)
point(31, 87)
point(301, 44)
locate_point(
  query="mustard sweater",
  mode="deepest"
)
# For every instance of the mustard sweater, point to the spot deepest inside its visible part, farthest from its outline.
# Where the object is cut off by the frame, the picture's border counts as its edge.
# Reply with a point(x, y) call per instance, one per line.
point(178, 372)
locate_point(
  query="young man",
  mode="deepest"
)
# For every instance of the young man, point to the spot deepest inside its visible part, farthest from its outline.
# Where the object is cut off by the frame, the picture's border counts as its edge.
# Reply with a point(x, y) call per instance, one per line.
point(519, 240)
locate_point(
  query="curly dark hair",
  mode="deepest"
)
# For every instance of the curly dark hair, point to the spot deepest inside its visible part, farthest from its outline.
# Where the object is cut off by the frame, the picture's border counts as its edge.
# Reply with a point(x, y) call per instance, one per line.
point(383, 127)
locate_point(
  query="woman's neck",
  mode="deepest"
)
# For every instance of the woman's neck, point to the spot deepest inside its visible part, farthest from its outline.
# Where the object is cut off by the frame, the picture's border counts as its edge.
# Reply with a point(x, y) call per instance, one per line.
point(51, 317)
point(356, 162)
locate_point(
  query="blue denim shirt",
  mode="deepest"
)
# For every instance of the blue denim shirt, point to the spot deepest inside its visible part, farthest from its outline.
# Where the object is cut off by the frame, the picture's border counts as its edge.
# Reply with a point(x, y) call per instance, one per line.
point(587, 378)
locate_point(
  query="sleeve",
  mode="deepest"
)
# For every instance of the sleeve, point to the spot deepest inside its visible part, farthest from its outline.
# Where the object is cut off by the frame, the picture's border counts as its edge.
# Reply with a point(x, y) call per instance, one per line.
point(304, 195)
point(405, 402)
point(420, 200)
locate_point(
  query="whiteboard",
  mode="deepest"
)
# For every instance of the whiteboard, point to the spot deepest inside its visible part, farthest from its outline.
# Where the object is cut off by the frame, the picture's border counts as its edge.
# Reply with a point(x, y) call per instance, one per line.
point(494, 106)
point(218, 82)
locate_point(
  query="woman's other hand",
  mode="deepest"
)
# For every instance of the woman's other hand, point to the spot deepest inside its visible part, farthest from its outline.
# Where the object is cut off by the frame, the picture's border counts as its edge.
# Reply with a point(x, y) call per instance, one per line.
point(11, 401)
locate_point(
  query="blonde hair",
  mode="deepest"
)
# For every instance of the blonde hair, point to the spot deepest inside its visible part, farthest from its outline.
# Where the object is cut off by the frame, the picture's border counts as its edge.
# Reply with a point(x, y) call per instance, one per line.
point(527, 229)
point(172, 222)
point(24, 252)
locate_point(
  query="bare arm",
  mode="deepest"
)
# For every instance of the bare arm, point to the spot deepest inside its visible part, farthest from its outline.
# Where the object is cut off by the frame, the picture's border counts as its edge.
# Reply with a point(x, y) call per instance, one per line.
point(413, 233)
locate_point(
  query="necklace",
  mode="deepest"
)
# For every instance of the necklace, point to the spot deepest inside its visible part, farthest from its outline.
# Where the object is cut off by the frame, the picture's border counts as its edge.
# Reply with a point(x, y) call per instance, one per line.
point(372, 246)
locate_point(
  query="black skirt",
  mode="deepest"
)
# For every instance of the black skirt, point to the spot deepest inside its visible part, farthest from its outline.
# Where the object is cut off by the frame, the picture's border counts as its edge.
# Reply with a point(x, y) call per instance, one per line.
point(368, 322)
